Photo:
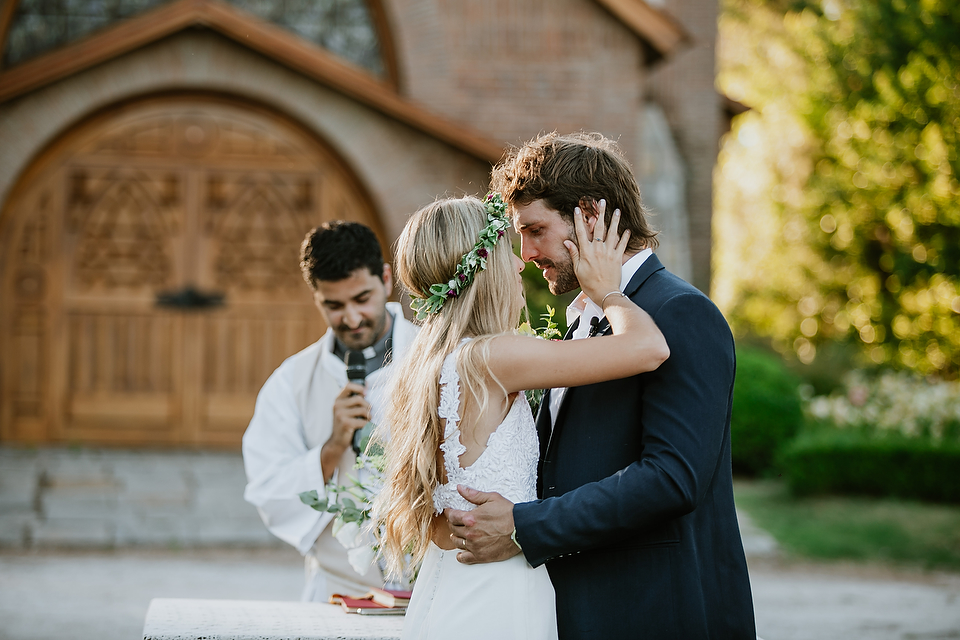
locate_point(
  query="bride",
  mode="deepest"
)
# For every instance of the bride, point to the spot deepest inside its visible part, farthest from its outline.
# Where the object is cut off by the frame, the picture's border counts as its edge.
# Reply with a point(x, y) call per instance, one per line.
point(458, 414)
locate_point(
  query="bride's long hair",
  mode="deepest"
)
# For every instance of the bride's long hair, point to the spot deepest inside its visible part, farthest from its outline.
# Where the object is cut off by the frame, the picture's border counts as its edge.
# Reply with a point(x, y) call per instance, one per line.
point(428, 251)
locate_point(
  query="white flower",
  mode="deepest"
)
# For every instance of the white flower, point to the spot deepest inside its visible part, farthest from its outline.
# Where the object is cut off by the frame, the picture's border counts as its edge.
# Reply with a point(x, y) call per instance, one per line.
point(892, 402)
point(361, 558)
point(347, 534)
point(820, 407)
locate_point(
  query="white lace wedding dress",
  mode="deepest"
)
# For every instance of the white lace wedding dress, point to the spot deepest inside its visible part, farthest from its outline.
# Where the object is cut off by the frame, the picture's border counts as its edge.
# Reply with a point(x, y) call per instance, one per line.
point(495, 601)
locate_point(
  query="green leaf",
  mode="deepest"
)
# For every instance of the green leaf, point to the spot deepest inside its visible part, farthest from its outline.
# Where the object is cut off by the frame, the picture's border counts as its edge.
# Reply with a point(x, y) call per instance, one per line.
point(312, 500)
point(309, 497)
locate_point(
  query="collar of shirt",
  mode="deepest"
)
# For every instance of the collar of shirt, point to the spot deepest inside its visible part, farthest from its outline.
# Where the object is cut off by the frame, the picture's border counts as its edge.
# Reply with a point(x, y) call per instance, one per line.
point(586, 309)
point(375, 354)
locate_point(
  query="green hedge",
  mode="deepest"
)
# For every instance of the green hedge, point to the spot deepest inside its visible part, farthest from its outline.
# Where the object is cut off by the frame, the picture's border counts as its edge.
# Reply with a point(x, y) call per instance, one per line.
point(766, 410)
point(850, 462)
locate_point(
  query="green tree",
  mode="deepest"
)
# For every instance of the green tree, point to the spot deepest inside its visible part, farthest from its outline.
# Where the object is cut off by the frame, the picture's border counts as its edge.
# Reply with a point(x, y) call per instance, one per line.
point(841, 188)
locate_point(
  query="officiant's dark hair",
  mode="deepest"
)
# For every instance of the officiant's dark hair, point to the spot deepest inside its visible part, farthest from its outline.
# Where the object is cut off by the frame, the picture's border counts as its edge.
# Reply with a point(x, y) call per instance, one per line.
point(334, 250)
point(568, 171)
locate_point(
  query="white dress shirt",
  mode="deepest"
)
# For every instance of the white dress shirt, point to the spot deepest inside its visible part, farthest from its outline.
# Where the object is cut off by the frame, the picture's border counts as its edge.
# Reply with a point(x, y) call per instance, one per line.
point(586, 309)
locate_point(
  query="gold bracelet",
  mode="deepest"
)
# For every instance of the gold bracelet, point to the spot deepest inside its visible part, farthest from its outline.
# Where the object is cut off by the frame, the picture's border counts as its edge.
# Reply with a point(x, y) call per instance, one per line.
point(612, 293)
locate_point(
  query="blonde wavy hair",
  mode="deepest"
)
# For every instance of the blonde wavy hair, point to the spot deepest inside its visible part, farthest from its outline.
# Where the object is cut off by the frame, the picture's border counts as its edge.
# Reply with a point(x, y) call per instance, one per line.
point(428, 251)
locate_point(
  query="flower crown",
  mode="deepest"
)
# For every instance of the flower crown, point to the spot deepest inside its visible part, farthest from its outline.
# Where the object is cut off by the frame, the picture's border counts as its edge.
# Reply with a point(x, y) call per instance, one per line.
point(471, 263)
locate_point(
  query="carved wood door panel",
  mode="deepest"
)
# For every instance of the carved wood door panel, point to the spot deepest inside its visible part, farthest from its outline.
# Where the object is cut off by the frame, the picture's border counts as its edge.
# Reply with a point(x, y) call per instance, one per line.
point(152, 199)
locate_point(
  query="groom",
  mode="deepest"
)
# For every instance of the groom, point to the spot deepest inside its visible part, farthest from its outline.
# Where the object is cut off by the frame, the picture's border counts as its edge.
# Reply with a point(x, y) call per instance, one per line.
point(636, 520)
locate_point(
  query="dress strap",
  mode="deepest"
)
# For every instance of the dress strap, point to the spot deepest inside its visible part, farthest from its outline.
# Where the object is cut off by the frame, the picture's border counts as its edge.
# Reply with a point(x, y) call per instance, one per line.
point(449, 410)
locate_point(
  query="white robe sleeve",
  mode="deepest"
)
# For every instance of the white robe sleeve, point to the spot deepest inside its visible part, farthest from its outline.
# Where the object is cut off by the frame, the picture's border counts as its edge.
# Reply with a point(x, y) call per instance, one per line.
point(279, 467)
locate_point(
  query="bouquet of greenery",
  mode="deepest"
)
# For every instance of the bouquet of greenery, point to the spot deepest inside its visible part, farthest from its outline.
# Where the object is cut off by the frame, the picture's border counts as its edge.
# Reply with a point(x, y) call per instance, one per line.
point(350, 506)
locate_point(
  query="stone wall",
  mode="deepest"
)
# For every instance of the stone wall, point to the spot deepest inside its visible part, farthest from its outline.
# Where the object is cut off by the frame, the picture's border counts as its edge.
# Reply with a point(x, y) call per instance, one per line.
point(684, 87)
point(108, 498)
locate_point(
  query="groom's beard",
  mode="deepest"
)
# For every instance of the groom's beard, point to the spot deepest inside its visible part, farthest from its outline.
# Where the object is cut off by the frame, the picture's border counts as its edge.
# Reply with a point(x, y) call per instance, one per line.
point(564, 277)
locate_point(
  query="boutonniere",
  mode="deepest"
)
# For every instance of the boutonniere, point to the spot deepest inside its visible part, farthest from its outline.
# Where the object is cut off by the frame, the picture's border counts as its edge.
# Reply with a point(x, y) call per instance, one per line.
point(548, 331)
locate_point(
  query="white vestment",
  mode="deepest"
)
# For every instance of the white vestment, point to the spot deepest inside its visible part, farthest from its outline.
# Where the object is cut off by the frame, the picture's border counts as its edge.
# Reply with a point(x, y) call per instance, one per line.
point(292, 420)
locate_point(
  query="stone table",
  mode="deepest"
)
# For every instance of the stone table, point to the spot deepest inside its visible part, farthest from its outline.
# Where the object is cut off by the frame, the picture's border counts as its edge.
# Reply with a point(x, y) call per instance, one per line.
point(189, 619)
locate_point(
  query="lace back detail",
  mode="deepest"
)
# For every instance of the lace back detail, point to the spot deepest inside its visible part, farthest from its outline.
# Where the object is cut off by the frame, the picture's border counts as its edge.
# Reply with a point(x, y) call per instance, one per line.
point(508, 464)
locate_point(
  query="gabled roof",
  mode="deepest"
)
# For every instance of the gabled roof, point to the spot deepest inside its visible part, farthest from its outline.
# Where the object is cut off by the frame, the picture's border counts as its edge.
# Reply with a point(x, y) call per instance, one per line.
point(275, 42)
point(662, 33)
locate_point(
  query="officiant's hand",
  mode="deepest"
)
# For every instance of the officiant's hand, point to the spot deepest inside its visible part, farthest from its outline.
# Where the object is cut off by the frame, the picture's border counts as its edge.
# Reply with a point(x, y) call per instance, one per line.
point(350, 412)
point(483, 535)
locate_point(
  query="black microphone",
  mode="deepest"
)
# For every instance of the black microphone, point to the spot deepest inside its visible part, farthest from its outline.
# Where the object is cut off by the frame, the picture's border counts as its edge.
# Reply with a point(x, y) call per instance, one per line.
point(594, 326)
point(357, 373)
point(356, 366)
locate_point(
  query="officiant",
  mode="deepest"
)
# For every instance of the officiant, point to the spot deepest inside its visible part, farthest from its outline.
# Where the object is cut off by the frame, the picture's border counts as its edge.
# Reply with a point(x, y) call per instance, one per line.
point(306, 427)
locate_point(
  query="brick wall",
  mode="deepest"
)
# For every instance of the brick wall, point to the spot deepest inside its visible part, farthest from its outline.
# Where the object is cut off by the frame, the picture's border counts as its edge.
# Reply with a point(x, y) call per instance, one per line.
point(515, 68)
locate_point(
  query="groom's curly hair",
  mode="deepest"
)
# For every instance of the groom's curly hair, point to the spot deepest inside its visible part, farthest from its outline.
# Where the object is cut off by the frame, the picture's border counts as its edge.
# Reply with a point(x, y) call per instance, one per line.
point(567, 171)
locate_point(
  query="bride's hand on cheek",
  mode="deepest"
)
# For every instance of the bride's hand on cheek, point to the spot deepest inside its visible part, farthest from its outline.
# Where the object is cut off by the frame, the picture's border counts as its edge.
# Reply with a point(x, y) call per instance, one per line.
point(597, 259)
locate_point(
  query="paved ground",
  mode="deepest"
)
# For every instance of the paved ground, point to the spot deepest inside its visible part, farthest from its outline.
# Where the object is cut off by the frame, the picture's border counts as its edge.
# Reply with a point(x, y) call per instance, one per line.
point(104, 595)
point(804, 601)
point(91, 499)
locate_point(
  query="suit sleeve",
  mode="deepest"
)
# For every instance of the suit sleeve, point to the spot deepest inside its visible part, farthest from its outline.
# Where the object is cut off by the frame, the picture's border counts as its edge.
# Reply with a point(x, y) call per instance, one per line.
point(684, 421)
point(279, 467)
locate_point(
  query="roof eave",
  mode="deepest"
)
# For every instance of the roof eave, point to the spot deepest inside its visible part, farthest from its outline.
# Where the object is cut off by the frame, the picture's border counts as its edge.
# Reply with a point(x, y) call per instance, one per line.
point(259, 35)
point(663, 35)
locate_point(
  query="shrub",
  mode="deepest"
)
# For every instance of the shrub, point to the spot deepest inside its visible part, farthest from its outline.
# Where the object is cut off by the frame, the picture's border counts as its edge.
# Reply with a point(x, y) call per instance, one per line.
point(850, 461)
point(766, 410)
point(893, 403)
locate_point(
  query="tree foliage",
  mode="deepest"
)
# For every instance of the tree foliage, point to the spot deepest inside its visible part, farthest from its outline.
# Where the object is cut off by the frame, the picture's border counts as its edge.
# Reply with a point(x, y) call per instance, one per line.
point(838, 197)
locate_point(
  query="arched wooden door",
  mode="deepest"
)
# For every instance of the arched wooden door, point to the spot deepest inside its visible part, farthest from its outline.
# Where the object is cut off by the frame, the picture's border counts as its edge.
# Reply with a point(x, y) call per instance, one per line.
point(161, 197)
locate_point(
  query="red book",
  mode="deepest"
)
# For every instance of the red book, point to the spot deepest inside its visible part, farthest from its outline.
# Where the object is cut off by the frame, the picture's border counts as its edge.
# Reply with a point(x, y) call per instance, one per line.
point(366, 606)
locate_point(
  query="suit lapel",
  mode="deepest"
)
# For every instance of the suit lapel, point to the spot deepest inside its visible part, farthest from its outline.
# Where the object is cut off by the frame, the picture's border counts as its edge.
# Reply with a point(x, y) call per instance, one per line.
point(650, 266)
point(543, 435)
point(545, 430)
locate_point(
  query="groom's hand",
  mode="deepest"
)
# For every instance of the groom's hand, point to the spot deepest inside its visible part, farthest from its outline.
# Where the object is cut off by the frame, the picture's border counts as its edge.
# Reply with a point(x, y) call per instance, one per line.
point(483, 535)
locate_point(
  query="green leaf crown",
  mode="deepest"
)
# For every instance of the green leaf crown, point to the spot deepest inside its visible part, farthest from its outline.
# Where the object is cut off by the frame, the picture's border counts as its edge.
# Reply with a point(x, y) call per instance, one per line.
point(471, 263)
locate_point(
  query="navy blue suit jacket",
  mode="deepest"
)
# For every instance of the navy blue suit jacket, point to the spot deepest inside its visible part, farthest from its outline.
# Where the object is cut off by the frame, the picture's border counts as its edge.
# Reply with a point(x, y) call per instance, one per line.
point(636, 520)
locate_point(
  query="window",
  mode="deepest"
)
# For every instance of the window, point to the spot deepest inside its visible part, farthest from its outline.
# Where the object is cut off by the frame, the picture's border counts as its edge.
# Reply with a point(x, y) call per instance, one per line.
point(41, 25)
point(344, 27)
